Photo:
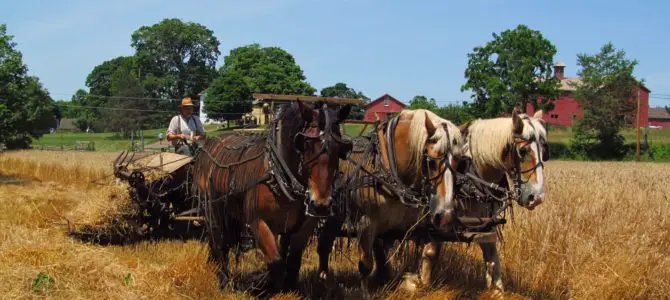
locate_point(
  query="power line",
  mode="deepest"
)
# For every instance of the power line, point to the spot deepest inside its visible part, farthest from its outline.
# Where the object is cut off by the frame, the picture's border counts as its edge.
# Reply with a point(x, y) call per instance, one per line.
point(132, 109)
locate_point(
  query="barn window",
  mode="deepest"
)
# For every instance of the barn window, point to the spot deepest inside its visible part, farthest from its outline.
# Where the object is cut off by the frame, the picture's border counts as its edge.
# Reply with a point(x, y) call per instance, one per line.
point(554, 116)
point(386, 101)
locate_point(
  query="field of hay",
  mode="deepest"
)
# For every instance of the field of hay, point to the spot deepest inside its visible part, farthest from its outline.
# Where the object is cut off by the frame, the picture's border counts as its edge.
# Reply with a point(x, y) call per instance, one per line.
point(603, 233)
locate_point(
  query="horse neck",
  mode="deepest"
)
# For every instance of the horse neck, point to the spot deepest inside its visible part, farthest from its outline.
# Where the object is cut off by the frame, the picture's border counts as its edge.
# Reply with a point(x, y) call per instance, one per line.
point(287, 153)
point(406, 174)
point(490, 173)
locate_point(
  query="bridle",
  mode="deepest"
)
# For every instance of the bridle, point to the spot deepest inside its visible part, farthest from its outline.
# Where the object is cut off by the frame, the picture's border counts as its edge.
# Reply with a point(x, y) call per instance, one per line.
point(325, 138)
point(517, 158)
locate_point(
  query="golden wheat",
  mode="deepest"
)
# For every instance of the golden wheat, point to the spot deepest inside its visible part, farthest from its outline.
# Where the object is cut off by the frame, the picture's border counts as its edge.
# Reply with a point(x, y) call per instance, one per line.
point(603, 233)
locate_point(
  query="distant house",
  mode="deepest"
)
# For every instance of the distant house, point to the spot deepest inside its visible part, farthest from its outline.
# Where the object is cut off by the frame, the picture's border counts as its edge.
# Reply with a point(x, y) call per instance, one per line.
point(659, 117)
point(567, 110)
point(383, 107)
point(67, 125)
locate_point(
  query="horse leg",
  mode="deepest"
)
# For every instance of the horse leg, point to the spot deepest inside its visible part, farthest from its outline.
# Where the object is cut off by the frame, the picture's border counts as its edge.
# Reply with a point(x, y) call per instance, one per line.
point(268, 245)
point(325, 244)
point(492, 260)
point(381, 271)
point(366, 263)
point(218, 254)
point(429, 255)
point(298, 242)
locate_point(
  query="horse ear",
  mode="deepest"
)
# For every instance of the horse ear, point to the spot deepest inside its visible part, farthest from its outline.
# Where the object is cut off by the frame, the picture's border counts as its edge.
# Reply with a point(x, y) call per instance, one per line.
point(464, 128)
point(429, 126)
point(305, 111)
point(343, 113)
point(539, 114)
point(517, 123)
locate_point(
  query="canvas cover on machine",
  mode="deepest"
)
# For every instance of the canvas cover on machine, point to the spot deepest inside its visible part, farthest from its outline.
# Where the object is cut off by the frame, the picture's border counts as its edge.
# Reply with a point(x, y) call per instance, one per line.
point(162, 162)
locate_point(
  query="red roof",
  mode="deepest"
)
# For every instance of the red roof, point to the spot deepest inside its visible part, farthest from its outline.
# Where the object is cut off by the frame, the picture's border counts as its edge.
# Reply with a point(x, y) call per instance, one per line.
point(382, 99)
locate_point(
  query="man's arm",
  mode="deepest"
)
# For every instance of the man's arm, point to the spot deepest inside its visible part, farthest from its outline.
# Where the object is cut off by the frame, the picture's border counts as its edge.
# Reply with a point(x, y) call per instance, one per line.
point(172, 130)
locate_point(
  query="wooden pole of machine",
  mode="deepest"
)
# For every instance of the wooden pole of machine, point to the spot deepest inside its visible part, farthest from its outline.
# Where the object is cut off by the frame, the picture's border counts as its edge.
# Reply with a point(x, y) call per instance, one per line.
point(637, 129)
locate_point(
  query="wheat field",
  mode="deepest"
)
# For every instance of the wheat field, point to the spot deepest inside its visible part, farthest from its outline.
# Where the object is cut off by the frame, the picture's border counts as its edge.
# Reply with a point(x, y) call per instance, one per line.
point(602, 233)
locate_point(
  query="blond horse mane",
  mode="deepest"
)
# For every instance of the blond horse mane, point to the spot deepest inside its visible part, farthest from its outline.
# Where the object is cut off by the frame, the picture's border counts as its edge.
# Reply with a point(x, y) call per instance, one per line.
point(487, 138)
point(418, 134)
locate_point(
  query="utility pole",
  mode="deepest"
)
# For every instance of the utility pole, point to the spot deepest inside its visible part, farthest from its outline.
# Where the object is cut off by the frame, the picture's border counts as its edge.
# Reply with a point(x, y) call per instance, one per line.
point(637, 129)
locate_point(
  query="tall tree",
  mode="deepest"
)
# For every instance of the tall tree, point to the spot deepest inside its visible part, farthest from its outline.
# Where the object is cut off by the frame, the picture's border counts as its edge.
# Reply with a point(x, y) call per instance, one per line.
point(126, 113)
point(228, 98)
point(513, 69)
point(100, 82)
point(178, 57)
point(341, 90)
point(26, 110)
point(606, 94)
point(267, 70)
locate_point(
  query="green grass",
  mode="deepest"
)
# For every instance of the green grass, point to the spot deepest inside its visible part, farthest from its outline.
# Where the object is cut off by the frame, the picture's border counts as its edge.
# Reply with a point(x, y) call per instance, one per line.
point(104, 142)
point(655, 136)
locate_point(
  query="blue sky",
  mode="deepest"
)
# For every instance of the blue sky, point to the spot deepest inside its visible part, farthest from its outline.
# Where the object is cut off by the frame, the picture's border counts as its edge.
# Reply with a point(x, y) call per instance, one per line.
point(403, 48)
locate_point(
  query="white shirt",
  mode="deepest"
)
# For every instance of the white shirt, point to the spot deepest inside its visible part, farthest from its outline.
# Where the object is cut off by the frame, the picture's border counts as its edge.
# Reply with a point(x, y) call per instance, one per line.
point(180, 125)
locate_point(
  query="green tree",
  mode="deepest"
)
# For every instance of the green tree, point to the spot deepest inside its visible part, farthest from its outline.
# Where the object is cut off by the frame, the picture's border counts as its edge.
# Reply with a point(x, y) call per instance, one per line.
point(125, 113)
point(175, 59)
point(267, 70)
point(513, 69)
point(457, 114)
point(100, 82)
point(228, 98)
point(606, 94)
point(178, 57)
point(341, 90)
point(422, 102)
point(26, 110)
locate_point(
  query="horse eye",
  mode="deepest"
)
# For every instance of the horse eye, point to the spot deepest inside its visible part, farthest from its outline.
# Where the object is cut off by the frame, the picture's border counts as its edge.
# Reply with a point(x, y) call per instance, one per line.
point(523, 151)
point(453, 142)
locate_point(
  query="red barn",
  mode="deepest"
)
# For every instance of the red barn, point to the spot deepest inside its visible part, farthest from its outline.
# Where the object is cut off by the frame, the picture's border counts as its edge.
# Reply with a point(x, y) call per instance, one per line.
point(383, 106)
point(659, 117)
point(567, 110)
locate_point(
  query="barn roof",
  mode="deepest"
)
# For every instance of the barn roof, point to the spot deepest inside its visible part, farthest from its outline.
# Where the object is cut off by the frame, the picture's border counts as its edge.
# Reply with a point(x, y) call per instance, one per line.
point(382, 98)
point(658, 113)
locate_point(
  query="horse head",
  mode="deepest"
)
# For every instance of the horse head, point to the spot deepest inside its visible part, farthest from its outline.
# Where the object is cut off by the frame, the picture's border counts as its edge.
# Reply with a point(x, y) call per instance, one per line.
point(443, 148)
point(433, 143)
point(515, 146)
point(531, 151)
point(321, 145)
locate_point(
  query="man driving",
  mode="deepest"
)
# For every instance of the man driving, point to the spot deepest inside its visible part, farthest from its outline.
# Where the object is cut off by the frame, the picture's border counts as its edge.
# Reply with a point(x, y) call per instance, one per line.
point(185, 126)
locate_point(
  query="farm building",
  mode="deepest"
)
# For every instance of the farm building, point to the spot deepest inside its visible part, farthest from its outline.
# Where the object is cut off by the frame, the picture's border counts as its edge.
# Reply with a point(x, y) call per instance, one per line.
point(567, 110)
point(383, 107)
point(66, 124)
point(659, 117)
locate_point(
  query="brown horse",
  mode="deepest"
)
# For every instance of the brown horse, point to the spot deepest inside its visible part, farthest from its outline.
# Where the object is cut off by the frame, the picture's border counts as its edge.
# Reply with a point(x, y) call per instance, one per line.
point(409, 160)
point(508, 153)
point(266, 182)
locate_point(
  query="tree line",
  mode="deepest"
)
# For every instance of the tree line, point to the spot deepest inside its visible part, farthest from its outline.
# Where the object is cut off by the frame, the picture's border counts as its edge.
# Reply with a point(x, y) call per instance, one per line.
point(175, 59)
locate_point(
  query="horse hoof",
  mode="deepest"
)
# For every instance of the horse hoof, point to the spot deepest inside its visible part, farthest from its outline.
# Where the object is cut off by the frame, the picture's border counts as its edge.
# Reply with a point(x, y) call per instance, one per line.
point(410, 283)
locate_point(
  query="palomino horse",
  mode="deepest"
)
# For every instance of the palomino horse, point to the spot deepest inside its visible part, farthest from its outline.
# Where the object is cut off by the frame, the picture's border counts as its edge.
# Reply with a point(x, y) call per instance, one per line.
point(502, 152)
point(266, 182)
point(403, 163)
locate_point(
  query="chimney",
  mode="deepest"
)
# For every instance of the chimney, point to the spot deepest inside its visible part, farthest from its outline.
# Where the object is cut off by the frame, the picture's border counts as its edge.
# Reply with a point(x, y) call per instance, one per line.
point(559, 70)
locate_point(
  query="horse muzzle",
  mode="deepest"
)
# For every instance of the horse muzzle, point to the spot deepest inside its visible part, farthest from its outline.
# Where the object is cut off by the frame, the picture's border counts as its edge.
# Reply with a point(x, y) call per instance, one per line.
point(533, 201)
point(315, 210)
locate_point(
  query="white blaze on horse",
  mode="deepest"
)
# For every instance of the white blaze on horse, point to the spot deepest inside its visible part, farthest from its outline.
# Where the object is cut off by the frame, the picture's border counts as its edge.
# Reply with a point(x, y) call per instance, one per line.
point(511, 150)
